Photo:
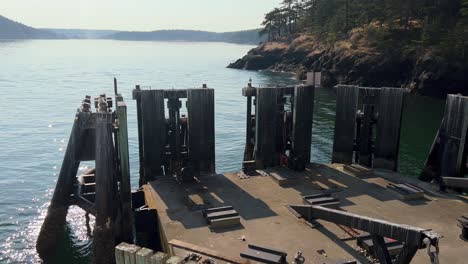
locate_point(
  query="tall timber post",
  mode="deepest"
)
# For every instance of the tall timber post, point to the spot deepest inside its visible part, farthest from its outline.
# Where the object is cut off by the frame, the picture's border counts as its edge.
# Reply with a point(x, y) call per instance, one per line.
point(106, 186)
point(124, 170)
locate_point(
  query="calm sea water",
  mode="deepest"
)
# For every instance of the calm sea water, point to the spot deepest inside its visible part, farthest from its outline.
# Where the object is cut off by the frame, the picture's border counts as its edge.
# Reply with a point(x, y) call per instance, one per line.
point(43, 81)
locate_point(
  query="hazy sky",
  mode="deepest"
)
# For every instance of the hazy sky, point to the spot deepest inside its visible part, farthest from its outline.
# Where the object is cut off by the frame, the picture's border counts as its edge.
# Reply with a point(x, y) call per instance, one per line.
point(143, 15)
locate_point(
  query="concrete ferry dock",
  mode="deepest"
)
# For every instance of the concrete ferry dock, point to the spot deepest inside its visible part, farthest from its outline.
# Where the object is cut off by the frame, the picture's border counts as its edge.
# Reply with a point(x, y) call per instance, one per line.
point(266, 220)
point(281, 207)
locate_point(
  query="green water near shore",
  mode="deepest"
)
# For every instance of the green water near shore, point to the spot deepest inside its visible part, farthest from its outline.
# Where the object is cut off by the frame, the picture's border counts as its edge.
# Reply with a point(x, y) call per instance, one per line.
point(421, 120)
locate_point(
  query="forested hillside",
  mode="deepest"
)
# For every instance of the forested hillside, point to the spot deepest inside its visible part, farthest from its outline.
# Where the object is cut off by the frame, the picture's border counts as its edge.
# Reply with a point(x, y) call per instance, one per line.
point(420, 44)
point(10, 29)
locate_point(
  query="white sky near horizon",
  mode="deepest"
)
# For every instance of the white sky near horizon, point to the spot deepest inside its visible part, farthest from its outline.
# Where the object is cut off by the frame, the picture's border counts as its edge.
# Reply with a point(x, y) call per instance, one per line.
point(139, 15)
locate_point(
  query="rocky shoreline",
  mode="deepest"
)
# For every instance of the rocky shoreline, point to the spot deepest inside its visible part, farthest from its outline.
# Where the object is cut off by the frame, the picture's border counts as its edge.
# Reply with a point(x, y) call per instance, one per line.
point(358, 62)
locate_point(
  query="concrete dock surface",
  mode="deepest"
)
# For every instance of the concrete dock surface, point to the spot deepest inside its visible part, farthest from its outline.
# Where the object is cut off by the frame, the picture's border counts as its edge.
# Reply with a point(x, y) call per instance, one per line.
point(261, 202)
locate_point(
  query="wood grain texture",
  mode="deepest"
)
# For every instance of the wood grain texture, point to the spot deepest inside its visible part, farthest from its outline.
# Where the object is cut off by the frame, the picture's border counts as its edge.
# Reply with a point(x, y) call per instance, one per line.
point(266, 154)
point(345, 123)
point(201, 130)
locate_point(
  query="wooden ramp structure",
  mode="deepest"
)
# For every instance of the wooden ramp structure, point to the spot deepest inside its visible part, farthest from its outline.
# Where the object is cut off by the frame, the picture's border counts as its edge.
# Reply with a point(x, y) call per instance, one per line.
point(103, 191)
point(447, 159)
point(367, 126)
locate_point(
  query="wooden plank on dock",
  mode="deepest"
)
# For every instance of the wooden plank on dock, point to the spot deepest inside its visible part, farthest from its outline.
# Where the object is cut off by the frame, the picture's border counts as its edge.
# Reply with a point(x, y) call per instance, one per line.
point(153, 132)
point(303, 113)
point(201, 130)
point(453, 136)
point(387, 145)
point(266, 154)
point(456, 182)
point(345, 123)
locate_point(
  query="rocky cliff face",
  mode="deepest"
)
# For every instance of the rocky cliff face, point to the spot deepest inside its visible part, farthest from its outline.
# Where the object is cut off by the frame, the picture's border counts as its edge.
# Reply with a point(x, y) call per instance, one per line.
point(359, 62)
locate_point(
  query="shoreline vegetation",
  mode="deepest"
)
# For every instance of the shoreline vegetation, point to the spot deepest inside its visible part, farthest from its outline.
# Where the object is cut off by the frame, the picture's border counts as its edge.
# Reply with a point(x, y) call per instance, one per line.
point(420, 45)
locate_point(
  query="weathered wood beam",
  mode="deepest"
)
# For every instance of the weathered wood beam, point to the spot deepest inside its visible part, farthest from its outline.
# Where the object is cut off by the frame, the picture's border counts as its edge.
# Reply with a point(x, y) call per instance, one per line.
point(410, 235)
point(455, 182)
point(124, 170)
point(266, 154)
point(167, 93)
point(201, 130)
point(249, 146)
point(387, 145)
point(453, 136)
point(303, 112)
point(253, 91)
point(85, 204)
point(52, 229)
point(380, 249)
point(105, 201)
point(406, 255)
point(153, 124)
point(345, 123)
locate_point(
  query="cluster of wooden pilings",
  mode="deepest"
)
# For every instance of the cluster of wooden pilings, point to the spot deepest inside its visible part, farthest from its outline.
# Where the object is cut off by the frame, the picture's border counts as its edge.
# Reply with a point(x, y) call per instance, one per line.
point(177, 140)
point(104, 192)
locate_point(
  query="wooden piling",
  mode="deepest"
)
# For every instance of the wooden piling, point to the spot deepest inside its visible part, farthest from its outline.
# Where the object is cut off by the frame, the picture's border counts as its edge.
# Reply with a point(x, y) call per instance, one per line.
point(153, 124)
point(390, 108)
point(137, 97)
point(105, 190)
point(52, 229)
point(303, 112)
point(345, 123)
point(266, 154)
point(201, 130)
point(124, 171)
point(249, 147)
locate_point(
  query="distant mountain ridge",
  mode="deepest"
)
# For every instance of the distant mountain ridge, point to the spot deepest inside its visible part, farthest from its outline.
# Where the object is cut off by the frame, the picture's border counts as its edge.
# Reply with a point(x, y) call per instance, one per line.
point(246, 36)
point(10, 29)
point(81, 33)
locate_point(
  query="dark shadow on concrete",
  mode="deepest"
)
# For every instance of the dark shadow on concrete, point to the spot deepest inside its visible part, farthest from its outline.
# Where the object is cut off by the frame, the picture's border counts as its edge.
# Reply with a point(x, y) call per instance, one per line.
point(355, 186)
point(216, 190)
